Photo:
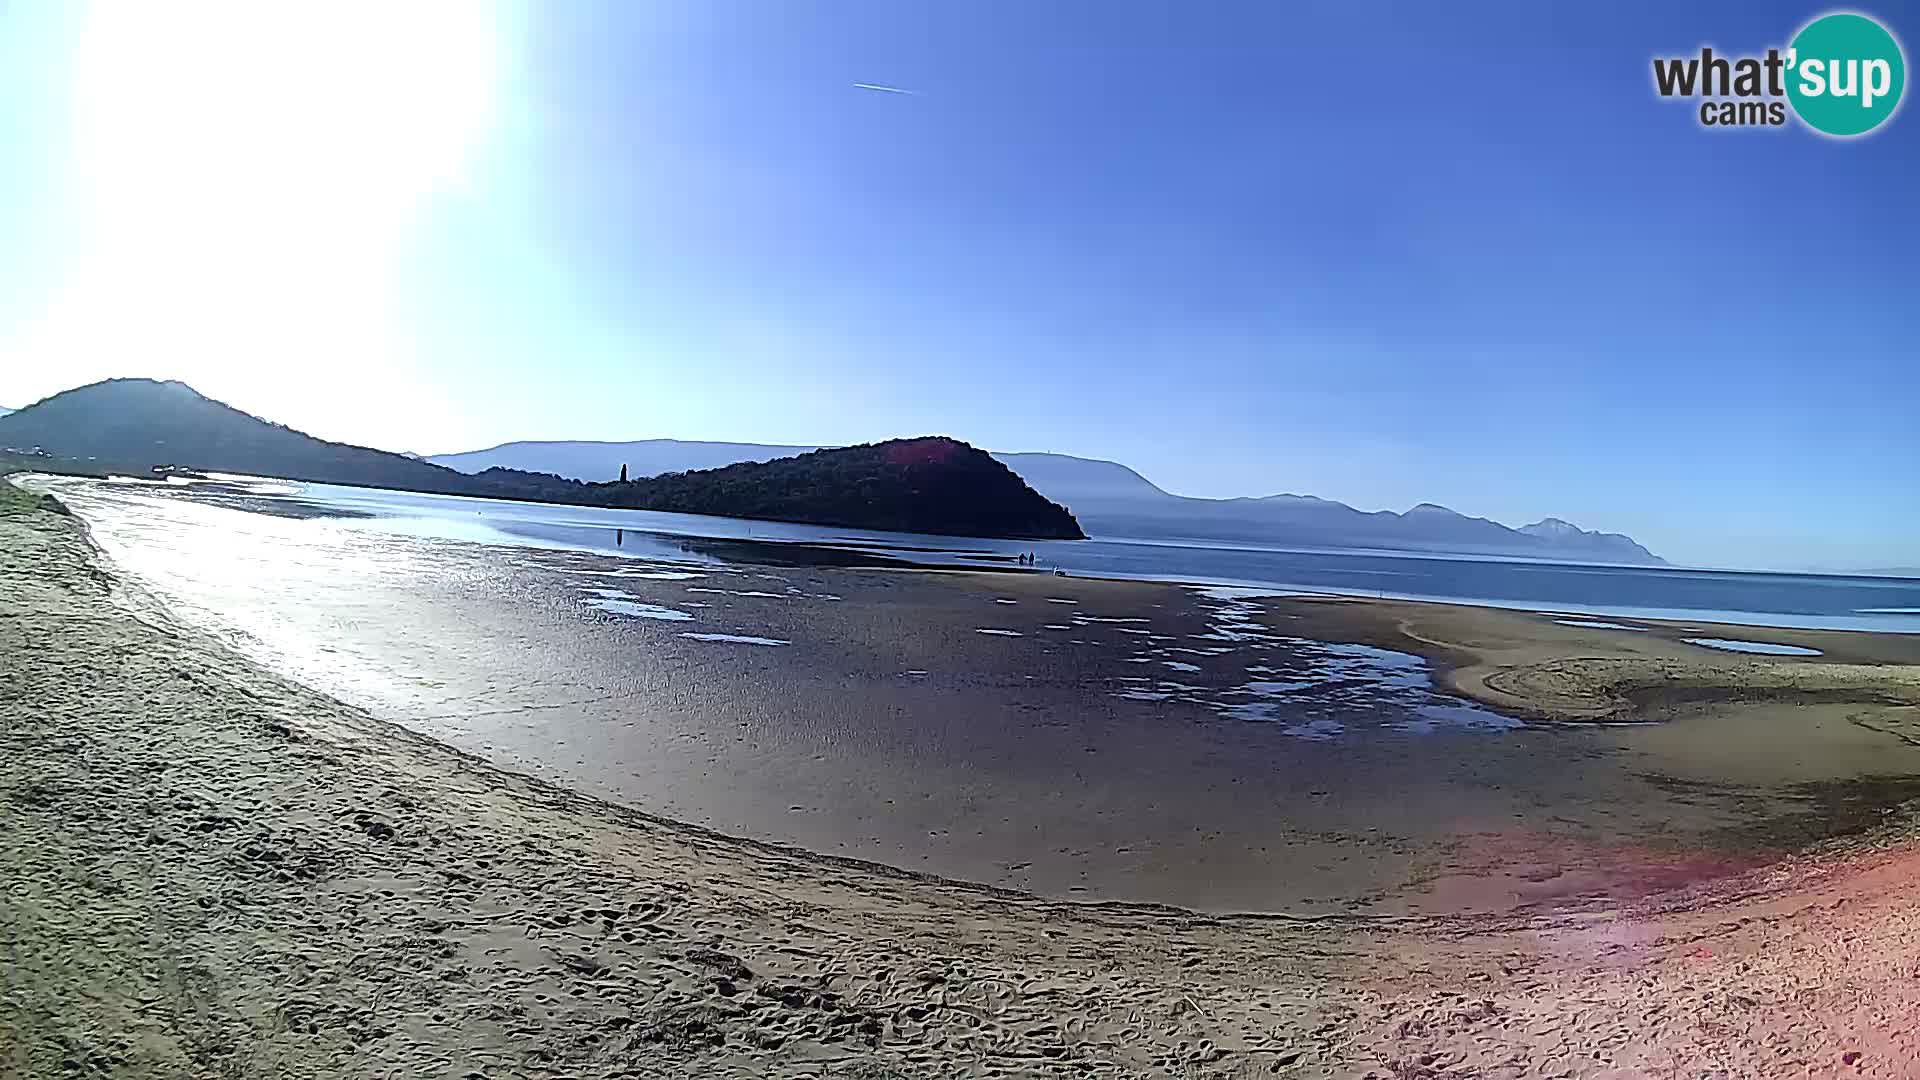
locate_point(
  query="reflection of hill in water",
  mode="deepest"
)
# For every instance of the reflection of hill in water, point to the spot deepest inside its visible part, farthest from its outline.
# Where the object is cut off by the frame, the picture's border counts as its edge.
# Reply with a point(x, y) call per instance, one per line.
point(850, 553)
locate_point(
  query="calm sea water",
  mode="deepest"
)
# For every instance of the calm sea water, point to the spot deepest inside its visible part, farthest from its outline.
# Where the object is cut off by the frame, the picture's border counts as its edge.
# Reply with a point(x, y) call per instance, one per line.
point(1076, 742)
point(1814, 601)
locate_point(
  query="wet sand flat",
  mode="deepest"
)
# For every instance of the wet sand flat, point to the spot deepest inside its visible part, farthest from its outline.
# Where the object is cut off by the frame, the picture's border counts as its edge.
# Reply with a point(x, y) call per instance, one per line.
point(210, 871)
point(1079, 739)
point(214, 871)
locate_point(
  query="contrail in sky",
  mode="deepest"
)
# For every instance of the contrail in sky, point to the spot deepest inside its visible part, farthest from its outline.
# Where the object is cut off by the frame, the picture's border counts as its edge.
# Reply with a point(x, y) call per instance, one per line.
point(884, 89)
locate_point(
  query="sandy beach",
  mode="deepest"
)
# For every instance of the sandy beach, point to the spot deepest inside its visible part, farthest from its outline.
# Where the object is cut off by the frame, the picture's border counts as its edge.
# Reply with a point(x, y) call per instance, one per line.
point(1219, 750)
point(212, 870)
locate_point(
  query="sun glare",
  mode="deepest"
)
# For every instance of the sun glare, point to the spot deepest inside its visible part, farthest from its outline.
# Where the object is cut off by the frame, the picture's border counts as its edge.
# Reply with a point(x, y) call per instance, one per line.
point(249, 173)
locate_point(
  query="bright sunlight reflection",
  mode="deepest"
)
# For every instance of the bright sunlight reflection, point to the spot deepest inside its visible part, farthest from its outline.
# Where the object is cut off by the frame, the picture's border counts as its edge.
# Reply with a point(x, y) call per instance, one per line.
point(250, 172)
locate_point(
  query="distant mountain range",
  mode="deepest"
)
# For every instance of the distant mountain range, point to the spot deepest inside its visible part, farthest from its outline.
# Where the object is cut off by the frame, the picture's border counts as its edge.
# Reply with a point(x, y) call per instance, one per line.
point(929, 485)
point(4, 412)
point(1112, 500)
point(133, 424)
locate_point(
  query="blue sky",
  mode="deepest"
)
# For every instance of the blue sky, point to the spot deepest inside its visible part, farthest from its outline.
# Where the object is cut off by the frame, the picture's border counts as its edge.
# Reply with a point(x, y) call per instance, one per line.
point(1379, 253)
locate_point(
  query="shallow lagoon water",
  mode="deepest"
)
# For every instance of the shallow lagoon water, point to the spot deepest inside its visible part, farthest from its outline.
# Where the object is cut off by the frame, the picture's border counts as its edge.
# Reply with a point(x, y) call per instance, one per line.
point(621, 603)
point(1808, 601)
point(1317, 689)
point(1766, 648)
point(738, 639)
point(1283, 774)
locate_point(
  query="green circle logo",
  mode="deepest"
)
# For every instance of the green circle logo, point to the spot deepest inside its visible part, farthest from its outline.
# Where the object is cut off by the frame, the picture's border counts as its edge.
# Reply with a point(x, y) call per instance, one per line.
point(1845, 74)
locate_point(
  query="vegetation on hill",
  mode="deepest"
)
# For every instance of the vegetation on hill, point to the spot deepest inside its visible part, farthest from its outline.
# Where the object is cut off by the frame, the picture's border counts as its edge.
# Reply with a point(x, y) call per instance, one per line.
point(135, 424)
point(928, 485)
point(933, 485)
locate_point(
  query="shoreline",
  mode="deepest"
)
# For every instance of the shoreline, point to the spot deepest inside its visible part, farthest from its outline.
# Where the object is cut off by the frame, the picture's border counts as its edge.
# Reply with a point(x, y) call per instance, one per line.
point(1078, 739)
point(255, 878)
point(560, 796)
point(295, 888)
point(1526, 662)
point(1001, 566)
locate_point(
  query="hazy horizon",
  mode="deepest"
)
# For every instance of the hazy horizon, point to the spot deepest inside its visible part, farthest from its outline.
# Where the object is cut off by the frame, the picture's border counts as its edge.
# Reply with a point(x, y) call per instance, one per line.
point(1240, 250)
